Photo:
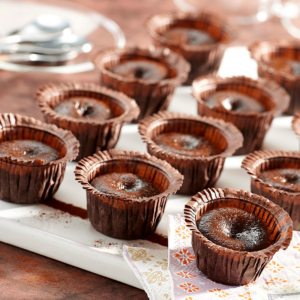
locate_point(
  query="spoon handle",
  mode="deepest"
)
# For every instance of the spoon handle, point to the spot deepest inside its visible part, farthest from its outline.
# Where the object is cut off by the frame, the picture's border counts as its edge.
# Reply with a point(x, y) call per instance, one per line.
point(35, 57)
point(11, 39)
point(32, 38)
point(33, 48)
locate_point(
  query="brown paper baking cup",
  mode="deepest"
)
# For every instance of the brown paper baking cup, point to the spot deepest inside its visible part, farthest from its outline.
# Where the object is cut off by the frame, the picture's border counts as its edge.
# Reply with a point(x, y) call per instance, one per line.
point(199, 172)
point(36, 181)
point(260, 161)
point(204, 59)
point(92, 135)
point(150, 95)
point(225, 265)
point(127, 218)
point(262, 52)
point(296, 125)
point(253, 126)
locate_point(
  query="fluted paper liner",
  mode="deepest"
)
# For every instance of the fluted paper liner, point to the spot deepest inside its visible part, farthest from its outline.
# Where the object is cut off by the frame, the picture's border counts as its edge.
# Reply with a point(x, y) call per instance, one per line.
point(93, 135)
point(127, 218)
point(225, 265)
point(253, 126)
point(263, 51)
point(260, 161)
point(199, 172)
point(150, 95)
point(204, 59)
point(296, 124)
point(33, 181)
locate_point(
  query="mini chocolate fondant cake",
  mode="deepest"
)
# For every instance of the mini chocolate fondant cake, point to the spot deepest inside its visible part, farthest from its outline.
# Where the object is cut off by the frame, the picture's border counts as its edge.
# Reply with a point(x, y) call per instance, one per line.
point(146, 69)
point(200, 38)
point(276, 176)
point(33, 158)
point(190, 36)
point(28, 150)
point(126, 185)
point(148, 75)
point(234, 228)
point(235, 233)
point(283, 179)
point(285, 65)
point(279, 60)
point(196, 146)
point(84, 108)
point(235, 101)
point(126, 191)
point(185, 144)
point(249, 104)
point(94, 114)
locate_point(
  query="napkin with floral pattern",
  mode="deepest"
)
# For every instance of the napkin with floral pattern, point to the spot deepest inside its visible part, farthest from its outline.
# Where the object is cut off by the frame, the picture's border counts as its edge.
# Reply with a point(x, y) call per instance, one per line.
point(150, 266)
point(181, 280)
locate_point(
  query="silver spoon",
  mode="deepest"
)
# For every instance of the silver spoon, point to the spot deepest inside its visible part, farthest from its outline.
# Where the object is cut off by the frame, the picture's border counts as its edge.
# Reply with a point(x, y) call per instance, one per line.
point(59, 45)
point(68, 42)
point(43, 28)
point(40, 58)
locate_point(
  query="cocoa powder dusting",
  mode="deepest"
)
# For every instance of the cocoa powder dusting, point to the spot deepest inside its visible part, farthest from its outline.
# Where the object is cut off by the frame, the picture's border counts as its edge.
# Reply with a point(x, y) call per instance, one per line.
point(73, 210)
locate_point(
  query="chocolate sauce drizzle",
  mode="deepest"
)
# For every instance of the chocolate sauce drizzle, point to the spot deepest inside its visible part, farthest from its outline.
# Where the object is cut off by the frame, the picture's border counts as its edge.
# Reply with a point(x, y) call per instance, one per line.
point(79, 212)
point(74, 211)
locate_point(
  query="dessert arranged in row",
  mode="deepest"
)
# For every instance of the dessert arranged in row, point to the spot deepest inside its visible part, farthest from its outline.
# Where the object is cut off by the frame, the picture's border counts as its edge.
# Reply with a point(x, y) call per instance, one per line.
point(127, 193)
point(235, 233)
point(121, 183)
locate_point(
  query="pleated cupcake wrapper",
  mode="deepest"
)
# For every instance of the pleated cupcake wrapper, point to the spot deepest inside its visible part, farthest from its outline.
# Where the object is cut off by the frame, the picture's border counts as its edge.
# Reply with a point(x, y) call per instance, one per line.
point(92, 135)
point(253, 126)
point(260, 161)
point(126, 218)
point(204, 59)
point(35, 181)
point(296, 124)
point(225, 265)
point(199, 172)
point(262, 51)
point(151, 96)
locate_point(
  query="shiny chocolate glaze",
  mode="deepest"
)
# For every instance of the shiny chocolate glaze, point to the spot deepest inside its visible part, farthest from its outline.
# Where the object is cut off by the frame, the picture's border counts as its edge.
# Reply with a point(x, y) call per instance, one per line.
point(84, 108)
point(235, 101)
point(124, 185)
point(282, 179)
point(234, 228)
point(285, 65)
point(185, 144)
point(190, 36)
point(142, 69)
point(28, 150)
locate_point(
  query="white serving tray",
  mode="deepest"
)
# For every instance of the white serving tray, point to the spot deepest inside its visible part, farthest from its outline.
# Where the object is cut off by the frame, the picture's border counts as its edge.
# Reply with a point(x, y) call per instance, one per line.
point(72, 240)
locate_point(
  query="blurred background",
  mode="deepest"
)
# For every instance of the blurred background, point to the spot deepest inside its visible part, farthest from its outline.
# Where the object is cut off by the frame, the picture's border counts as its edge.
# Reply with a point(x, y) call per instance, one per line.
point(63, 35)
point(54, 41)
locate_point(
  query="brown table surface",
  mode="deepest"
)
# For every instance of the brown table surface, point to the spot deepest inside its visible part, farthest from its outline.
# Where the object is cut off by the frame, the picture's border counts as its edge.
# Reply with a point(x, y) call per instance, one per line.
point(25, 275)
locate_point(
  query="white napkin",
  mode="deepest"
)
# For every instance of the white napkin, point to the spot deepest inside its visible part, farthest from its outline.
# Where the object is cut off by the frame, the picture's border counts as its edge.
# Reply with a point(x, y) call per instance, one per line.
point(150, 266)
point(183, 281)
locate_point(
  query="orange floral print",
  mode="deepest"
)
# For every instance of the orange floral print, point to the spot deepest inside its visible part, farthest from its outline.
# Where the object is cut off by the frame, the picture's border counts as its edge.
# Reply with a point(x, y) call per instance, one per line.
point(274, 267)
point(250, 284)
point(275, 280)
point(246, 296)
point(297, 247)
point(219, 293)
point(188, 287)
point(183, 232)
point(184, 256)
point(186, 274)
